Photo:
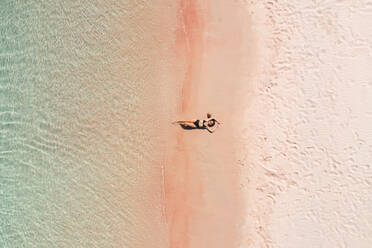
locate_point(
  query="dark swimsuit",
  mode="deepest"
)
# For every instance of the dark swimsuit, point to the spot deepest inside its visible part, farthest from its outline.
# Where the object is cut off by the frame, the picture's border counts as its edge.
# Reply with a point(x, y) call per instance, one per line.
point(197, 123)
point(204, 124)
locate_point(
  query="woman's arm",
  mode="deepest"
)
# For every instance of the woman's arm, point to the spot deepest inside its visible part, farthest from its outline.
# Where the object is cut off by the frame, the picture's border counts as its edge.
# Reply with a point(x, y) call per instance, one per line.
point(211, 129)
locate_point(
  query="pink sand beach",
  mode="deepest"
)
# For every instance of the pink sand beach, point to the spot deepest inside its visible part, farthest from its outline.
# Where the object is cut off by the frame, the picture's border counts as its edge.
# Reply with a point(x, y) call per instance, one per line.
point(281, 77)
point(203, 201)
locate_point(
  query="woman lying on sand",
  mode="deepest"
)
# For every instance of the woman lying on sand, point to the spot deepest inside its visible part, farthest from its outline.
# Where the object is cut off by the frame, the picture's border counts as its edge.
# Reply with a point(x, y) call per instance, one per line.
point(209, 124)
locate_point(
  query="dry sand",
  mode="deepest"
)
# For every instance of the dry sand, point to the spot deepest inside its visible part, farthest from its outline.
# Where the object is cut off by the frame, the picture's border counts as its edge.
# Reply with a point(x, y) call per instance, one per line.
point(307, 176)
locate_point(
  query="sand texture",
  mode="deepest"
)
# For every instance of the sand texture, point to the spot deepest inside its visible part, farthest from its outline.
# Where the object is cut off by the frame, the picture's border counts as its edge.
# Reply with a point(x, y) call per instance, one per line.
point(308, 130)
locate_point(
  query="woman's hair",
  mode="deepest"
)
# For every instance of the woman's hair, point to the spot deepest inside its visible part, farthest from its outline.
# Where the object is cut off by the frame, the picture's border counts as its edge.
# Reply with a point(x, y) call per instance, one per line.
point(209, 115)
point(211, 123)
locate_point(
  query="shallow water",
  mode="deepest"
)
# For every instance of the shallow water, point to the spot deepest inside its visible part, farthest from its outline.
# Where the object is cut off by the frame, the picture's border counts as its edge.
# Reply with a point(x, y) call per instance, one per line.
point(74, 147)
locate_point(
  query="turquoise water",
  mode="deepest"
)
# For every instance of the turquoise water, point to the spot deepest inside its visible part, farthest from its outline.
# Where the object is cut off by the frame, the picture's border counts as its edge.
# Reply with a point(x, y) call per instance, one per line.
point(71, 151)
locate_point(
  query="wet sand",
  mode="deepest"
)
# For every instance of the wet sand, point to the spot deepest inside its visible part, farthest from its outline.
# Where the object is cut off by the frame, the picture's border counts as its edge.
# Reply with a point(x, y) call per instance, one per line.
point(204, 206)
